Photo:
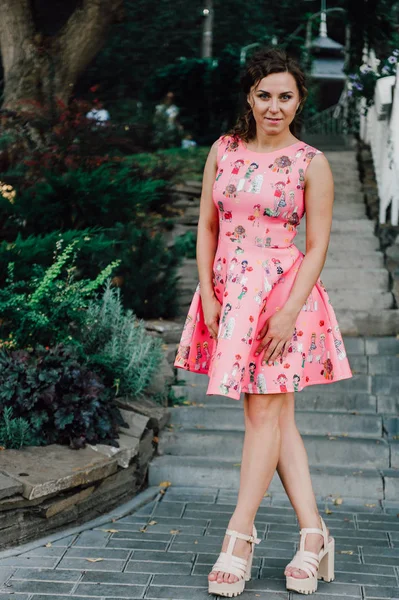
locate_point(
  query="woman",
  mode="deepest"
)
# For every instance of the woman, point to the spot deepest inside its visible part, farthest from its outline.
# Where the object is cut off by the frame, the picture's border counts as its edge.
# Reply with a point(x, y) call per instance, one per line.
point(265, 315)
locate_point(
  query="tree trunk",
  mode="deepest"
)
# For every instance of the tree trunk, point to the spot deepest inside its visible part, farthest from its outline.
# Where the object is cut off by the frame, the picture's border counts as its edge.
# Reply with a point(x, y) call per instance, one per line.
point(38, 70)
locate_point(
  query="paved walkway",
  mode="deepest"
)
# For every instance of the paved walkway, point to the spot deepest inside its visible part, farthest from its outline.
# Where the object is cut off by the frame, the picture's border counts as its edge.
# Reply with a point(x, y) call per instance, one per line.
point(165, 549)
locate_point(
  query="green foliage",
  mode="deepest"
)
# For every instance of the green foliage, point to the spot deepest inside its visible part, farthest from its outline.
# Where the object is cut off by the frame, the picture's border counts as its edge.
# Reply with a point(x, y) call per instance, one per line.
point(186, 244)
point(61, 399)
point(117, 343)
point(14, 433)
point(47, 308)
point(80, 199)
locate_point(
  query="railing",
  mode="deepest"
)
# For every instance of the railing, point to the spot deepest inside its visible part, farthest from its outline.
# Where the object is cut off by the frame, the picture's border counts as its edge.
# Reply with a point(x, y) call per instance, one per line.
point(380, 129)
point(333, 120)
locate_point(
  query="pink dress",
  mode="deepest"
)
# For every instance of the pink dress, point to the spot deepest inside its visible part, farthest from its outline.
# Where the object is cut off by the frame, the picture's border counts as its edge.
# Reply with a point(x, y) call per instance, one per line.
point(260, 200)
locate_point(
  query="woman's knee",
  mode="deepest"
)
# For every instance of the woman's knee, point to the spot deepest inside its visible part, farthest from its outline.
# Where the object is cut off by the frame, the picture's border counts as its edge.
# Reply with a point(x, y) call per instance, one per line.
point(264, 409)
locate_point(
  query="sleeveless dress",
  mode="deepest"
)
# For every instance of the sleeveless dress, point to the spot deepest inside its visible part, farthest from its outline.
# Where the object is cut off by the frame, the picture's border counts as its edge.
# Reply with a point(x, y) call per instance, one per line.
point(260, 201)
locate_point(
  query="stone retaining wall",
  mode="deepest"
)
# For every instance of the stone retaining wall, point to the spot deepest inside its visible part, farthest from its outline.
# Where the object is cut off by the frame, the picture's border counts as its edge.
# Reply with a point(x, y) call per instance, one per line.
point(43, 489)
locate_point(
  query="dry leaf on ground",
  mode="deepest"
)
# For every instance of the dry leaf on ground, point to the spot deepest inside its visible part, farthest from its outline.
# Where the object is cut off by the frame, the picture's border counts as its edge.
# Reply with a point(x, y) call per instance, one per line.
point(94, 560)
point(111, 530)
point(49, 545)
point(152, 523)
point(165, 484)
point(338, 501)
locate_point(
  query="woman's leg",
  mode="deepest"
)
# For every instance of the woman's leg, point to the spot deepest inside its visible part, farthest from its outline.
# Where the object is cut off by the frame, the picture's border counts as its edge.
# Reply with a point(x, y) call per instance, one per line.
point(259, 460)
point(293, 469)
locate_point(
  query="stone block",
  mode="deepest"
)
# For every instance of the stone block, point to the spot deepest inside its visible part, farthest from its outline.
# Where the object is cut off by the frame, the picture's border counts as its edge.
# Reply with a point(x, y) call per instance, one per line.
point(158, 415)
point(384, 365)
point(52, 507)
point(385, 385)
point(391, 426)
point(391, 479)
point(170, 331)
point(43, 470)
point(136, 422)
point(127, 449)
point(382, 345)
point(8, 485)
point(394, 454)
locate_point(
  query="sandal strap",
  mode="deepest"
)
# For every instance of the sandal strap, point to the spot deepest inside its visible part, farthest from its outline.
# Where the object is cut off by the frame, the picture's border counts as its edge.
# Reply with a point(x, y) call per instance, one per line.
point(228, 563)
point(306, 561)
point(242, 536)
point(322, 532)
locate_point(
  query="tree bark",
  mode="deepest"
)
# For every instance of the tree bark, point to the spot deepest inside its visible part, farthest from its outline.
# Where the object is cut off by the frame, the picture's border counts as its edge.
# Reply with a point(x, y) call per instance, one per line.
point(38, 70)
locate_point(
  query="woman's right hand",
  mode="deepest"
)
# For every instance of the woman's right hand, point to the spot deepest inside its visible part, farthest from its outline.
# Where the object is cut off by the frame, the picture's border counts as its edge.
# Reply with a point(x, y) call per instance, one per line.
point(211, 308)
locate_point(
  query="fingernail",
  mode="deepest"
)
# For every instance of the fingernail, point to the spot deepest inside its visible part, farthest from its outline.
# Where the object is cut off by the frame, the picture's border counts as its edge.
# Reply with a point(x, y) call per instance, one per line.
point(258, 337)
point(256, 353)
point(264, 362)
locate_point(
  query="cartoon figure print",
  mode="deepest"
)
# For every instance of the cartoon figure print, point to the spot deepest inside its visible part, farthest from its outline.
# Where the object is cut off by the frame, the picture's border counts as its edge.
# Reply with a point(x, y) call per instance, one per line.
point(256, 185)
point(292, 221)
point(232, 266)
point(231, 146)
point(225, 215)
point(218, 271)
point(322, 343)
point(247, 339)
point(205, 364)
point(238, 235)
point(328, 370)
point(282, 164)
point(244, 180)
point(241, 295)
point(312, 347)
point(198, 357)
point(338, 343)
point(255, 217)
point(282, 382)
point(279, 268)
point(218, 176)
point(279, 200)
point(301, 180)
point(267, 286)
point(228, 330)
point(251, 384)
point(261, 384)
point(295, 382)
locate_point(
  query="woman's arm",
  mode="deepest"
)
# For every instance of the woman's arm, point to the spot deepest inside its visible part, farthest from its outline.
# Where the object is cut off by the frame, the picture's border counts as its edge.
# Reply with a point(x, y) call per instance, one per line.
point(319, 198)
point(207, 236)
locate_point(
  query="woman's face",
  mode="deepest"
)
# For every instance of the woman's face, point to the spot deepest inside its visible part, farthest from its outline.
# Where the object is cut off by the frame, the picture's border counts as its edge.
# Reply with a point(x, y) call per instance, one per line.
point(274, 101)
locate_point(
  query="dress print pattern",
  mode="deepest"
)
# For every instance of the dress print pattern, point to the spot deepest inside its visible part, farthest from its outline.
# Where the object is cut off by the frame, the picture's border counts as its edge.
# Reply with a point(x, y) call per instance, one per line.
point(260, 202)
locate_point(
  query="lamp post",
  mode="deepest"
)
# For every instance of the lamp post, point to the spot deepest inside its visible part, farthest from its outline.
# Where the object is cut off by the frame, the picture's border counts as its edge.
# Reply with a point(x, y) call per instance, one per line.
point(207, 31)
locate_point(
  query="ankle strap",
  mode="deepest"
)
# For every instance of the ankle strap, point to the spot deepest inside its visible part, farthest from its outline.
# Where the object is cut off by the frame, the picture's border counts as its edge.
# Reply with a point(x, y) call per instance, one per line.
point(243, 536)
point(322, 532)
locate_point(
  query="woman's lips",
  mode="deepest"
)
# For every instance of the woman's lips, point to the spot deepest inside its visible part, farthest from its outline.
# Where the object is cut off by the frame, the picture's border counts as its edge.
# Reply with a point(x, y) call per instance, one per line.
point(273, 120)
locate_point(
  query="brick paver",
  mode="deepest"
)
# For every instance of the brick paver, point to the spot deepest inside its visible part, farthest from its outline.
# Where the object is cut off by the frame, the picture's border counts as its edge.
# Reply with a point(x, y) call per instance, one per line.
point(165, 550)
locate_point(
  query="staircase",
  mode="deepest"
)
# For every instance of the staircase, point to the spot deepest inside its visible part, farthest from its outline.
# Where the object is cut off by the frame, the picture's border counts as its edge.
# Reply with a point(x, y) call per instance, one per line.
point(350, 428)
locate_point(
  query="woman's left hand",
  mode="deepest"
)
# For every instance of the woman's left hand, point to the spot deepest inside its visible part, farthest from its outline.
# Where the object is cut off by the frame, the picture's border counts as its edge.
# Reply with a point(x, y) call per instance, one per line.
point(275, 336)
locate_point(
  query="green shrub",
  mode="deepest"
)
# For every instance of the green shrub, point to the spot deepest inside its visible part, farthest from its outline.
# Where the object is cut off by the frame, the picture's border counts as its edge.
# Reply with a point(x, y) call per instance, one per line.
point(14, 433)
point(62, 400)
point(49, 307)
point(117, 344)
point(186, 244)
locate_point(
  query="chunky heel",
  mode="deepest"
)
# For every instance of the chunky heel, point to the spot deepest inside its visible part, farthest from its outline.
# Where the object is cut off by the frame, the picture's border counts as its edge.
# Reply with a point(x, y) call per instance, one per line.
point(316, 566)
point(326, 568)
point(228, 563)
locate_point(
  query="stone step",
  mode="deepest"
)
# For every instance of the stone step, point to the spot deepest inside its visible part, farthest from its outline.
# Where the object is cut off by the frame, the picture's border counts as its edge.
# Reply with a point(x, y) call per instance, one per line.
point(349, 211)
point(373, 260)
point(344, 278)
point(308, 399)
point(345, 482)
point(309, 422)
point(368, 322)
point(347, 300)
point(344, 243)
point(322, 450)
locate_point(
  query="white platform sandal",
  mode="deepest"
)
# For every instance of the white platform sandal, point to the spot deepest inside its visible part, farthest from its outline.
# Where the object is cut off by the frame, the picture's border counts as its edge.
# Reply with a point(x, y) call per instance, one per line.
point(317, 567)
point(228, 563)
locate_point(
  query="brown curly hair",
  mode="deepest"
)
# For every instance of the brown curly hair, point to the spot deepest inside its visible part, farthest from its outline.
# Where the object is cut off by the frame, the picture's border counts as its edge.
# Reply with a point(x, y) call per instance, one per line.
point(261, 64)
